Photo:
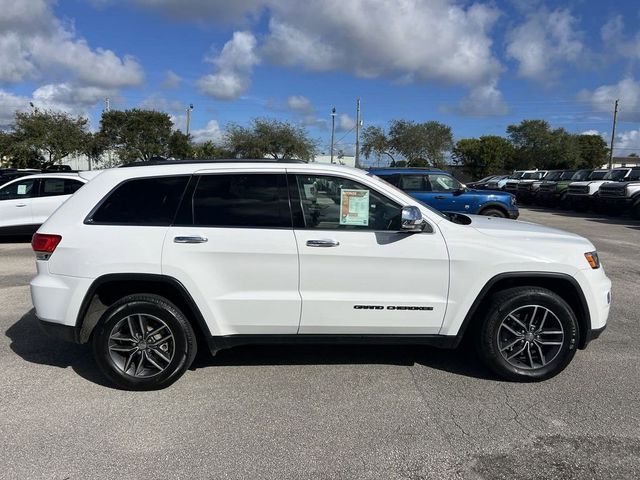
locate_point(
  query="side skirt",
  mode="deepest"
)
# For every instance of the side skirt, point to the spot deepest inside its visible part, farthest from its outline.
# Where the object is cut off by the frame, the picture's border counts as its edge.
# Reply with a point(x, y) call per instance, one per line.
point(229, 341)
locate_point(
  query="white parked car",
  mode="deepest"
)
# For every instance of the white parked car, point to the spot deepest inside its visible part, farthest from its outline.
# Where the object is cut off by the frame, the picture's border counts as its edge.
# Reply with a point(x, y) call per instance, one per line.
point(26, 202)
point(144, 260)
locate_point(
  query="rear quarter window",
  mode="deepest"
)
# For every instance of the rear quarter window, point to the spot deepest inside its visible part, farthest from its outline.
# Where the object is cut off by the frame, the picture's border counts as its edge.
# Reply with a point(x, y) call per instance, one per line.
point(143, 201)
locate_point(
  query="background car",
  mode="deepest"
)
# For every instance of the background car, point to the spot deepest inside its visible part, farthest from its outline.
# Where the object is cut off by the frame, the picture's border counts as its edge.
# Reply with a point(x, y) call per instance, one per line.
point(500, 184)
point(527, 190)
point(441, 191)
point(581, 194)
point(554, 193)
point(26, 202)
point(482, 183)
point(8, 174)
point(512, 185)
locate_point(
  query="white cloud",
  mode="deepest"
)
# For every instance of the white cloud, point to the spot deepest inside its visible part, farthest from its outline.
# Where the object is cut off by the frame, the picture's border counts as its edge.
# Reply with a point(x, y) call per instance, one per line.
point(603, 98)
point(34, 44)
point(300, 104)
point(201, 10)
point(627, 143)
point(171, 80)
point(484, 100)
point(543, 43)
point(592, 132)
point(428, 40)
point(345, 123)
point(211, 132)
point(233, 68)
point(9, 104)
point(615, 39)
point(162, 104)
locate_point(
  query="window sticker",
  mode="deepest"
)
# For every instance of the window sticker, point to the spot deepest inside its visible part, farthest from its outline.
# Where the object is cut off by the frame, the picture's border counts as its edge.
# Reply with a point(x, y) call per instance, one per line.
point(22, 189)
point(354, 207)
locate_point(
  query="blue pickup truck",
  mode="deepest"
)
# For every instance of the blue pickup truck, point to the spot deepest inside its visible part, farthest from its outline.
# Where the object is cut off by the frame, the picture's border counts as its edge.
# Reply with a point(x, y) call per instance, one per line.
point(441, 191)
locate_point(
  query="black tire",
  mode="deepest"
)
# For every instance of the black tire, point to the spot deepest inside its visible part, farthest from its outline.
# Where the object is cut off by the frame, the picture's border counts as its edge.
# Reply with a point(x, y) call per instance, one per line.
point(493, 212)
point(181, 348)
point(635, 211)
point(506, 302)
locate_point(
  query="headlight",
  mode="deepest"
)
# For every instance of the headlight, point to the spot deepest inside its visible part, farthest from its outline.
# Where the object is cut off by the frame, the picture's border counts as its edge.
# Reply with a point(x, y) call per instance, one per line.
point(592, 259)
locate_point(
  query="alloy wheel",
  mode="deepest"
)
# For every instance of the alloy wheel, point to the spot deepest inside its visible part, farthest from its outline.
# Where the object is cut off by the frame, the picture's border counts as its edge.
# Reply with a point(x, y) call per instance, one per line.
point(530, 337)
point(141, 345)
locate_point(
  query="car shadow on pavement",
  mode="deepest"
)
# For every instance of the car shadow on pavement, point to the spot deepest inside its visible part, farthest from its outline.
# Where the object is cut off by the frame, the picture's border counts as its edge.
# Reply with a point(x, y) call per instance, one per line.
point(33, 345)
point(460, 361)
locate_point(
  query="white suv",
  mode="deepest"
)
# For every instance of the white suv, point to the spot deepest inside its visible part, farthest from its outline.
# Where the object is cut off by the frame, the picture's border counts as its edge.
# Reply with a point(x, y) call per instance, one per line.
point(147, 263)
point(26, 202)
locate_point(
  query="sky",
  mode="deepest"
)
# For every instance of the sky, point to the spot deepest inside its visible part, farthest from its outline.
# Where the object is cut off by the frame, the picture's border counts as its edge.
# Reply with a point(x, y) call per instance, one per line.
point(476, 66)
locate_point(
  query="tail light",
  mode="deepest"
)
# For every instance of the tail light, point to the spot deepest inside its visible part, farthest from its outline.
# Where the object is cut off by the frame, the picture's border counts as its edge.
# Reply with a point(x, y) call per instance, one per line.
point(44, 245)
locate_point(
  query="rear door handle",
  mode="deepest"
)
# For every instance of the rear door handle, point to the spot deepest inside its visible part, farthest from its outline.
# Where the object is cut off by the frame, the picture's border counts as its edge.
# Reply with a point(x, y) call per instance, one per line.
point(322, 243)
point(190, 239)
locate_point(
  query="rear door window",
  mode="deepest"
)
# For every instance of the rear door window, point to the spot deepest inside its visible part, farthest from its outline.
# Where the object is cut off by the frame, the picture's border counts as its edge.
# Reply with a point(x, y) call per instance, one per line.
point(252, 200)
point(142, 201)
point(50, 187)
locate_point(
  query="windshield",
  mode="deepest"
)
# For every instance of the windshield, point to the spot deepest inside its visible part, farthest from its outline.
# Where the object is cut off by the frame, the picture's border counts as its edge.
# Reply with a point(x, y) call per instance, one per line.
point(615, 175)
point(634, 175)
point(404, 194)
point(598, 175)
point(516, 175)
point(553, 176)
point(531, 176)
point(579, 175)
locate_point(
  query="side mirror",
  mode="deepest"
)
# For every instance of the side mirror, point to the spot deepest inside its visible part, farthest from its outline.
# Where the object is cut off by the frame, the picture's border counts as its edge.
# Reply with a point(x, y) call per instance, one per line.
point(412, 219)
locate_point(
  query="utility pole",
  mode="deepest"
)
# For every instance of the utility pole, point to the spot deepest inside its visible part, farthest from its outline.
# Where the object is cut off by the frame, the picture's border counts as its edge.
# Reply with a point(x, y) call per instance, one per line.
point(189, 110)
point(333, 129)
point(107, 108)
point(358, 125)
point(613, 133)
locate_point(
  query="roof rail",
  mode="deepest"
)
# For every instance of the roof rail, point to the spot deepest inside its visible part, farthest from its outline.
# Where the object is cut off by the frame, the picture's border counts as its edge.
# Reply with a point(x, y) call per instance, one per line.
point(212, 160)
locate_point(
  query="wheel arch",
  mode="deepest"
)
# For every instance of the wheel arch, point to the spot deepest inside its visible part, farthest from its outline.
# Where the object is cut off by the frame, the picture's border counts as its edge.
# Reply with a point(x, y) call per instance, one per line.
point(495, 205)
point(564, 285)
point(108, 289)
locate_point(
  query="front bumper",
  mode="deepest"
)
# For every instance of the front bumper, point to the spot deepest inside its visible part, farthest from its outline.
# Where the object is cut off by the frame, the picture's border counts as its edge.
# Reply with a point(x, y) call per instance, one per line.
point(617, 203)
point(513, 214)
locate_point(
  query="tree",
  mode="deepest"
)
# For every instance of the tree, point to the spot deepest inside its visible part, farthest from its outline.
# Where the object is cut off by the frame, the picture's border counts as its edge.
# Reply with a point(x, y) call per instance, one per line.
point(420, 144)
point(375, 142)
point(136, 134)
point(54, 134)
point(209, 150)
point(94, 147)
point(428, 141)
point(180, 146)
point(594, 151)
point(483, 156)
point(269, 138)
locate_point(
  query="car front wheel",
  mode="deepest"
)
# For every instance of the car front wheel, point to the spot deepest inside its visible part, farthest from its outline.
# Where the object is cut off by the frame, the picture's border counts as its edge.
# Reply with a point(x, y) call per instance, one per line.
point(528, 334)
point(143, 342)
point(493, 212)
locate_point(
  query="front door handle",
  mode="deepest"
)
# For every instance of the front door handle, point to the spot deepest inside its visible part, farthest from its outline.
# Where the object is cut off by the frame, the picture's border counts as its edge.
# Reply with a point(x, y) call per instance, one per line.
point(322, 243)
point(190, 239)
point(21, 205)
point(439, 197)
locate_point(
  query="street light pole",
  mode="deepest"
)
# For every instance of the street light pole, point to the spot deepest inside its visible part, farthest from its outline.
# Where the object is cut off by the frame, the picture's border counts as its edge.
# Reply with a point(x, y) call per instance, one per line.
point(189, 110)
point(333, 129)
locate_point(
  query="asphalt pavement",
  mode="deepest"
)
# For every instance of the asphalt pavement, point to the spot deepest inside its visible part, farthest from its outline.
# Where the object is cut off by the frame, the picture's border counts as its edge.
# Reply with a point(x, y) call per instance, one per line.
point(318, 412)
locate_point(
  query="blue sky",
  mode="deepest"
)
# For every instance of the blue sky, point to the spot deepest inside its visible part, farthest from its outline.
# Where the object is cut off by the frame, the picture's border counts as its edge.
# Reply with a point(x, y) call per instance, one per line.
point(477, 66)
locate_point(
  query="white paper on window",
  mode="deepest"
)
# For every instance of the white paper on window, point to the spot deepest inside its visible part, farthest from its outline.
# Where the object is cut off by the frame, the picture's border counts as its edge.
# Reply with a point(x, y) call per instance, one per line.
point(354, 207)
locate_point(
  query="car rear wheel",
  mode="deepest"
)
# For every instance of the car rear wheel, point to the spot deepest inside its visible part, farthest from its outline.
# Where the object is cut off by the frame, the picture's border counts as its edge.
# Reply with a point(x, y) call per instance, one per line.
point(143, 342)
point(528, 334)
point(493, 212)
